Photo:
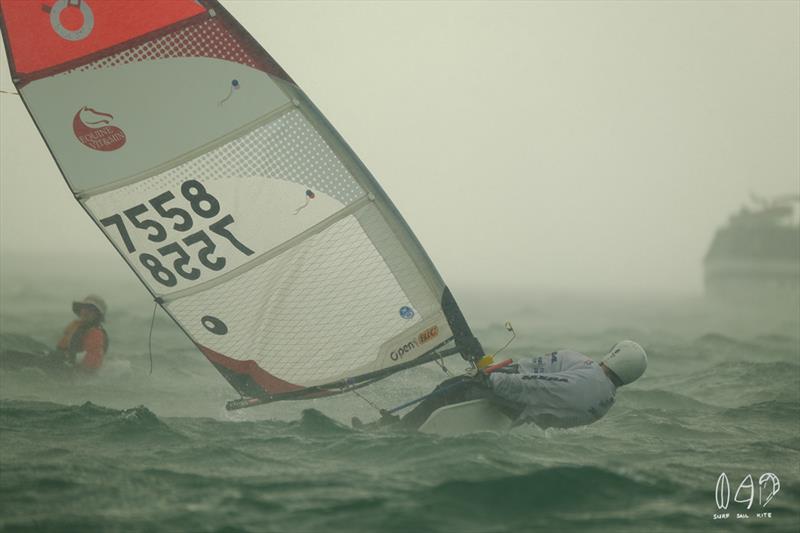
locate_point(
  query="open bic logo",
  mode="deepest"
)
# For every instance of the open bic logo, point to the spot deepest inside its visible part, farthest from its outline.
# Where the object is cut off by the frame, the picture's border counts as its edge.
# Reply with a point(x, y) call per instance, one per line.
point(768, 487)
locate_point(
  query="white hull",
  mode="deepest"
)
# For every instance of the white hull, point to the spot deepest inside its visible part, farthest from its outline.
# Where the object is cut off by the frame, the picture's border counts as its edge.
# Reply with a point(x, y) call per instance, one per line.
point(466, 417)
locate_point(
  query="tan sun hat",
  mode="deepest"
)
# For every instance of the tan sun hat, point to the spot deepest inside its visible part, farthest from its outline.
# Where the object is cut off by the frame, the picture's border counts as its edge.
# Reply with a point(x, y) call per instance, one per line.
point(95, 301)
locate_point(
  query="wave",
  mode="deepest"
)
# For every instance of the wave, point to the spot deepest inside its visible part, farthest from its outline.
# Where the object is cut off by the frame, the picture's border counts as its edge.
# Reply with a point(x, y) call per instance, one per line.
point(560, 487)
point(719, 339)
point(772, 410)
point(767, 345)
point(21, 343)
point(663, 399)
point(739, 375)
point(313, 422)
point(87, 419)
point(778, 339)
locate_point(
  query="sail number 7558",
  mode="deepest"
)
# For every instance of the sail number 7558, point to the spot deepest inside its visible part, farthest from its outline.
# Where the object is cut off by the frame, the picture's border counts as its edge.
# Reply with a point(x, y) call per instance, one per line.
point(204, 205)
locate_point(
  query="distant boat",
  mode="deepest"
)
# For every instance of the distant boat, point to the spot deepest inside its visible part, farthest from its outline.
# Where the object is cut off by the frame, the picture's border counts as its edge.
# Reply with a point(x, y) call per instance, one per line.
point(756, 255)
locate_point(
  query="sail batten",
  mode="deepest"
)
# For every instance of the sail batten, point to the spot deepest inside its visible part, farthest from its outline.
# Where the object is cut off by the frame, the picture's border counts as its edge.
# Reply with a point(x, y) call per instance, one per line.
point(231, 197)
point(266, 256)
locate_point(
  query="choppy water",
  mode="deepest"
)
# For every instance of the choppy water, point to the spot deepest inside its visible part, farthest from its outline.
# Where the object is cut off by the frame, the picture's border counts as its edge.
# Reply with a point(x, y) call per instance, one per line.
point(127, 451)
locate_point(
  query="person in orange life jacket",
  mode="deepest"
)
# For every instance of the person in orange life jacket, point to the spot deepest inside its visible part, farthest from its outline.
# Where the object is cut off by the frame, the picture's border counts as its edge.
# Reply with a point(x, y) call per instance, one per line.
point(85, 335)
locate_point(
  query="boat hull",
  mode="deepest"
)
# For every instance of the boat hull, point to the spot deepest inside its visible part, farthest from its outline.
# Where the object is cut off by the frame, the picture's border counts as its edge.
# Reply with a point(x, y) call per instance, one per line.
point(466, 417)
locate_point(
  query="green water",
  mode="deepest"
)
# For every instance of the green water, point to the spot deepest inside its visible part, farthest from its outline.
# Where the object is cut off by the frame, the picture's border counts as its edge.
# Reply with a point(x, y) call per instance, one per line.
point(129, 451)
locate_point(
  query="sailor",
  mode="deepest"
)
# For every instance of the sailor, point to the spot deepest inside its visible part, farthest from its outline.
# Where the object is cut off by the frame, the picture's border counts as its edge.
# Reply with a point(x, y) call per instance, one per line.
point(561, 389)
point(85, 335)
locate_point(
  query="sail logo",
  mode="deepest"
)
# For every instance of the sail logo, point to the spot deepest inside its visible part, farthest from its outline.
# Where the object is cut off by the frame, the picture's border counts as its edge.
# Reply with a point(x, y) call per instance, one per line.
point(428, 334)
point(406, 312)
point(402, 350)
point(95, 130)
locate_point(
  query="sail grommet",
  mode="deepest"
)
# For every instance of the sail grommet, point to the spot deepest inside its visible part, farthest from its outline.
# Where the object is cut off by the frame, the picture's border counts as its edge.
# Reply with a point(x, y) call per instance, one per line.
point(72, 35)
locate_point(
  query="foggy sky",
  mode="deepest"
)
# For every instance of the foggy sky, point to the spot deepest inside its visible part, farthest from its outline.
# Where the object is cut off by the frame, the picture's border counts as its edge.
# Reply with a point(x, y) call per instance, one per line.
point(571, 145)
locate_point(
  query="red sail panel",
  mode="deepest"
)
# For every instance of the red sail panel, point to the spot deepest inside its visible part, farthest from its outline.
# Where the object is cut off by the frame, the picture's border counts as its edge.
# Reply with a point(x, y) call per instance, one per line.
point(44, 34)
point(242, 374)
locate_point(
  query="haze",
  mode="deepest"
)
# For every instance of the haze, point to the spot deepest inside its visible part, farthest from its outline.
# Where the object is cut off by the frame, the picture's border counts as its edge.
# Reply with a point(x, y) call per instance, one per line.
point(590, 146)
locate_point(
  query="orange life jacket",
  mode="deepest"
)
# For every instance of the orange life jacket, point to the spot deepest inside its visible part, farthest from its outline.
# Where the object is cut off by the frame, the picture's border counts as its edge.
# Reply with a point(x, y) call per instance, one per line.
point(85, 337)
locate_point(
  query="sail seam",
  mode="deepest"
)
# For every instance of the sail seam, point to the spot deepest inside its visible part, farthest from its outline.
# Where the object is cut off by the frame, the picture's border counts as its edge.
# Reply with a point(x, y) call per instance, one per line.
point(367, 181)
point(273, 252)
point(188, 156)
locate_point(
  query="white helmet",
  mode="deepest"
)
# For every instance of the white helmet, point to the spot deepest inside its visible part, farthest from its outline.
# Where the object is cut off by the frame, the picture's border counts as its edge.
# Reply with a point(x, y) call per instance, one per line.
point(627, 360)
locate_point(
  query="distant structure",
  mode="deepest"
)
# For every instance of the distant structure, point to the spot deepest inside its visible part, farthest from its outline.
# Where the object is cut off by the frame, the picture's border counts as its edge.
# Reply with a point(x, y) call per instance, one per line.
point(756, 257)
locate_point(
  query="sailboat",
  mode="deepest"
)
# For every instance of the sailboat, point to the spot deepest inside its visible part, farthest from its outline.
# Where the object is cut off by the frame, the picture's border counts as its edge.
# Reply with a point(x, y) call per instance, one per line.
point(237, 204)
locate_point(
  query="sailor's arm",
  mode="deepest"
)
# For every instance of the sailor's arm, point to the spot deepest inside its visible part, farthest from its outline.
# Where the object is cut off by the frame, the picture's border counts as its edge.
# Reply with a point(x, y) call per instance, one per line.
point(532, 389)
point(63, 342)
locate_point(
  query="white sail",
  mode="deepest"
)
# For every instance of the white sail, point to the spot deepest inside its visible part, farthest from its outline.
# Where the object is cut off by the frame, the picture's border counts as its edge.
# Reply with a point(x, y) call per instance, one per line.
point(231, 197)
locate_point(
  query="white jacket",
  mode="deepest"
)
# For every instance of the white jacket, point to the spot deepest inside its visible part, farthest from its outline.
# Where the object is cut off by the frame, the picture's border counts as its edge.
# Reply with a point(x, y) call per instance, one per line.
point(560, 389)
